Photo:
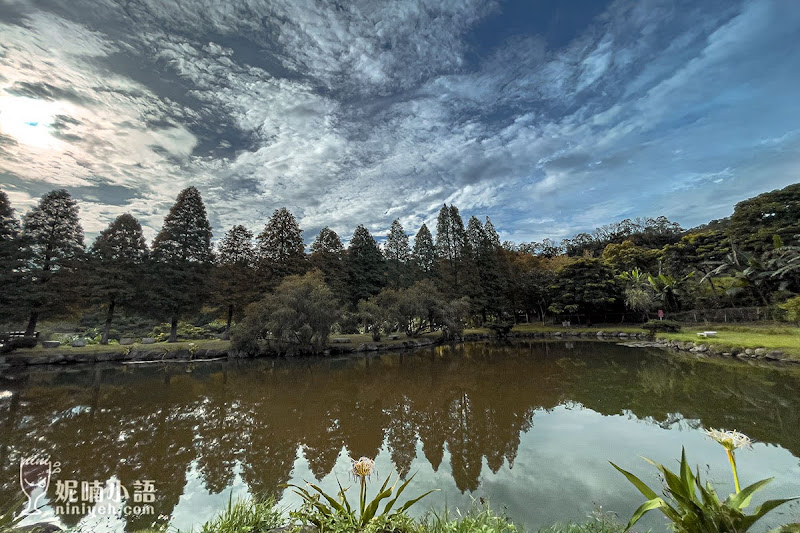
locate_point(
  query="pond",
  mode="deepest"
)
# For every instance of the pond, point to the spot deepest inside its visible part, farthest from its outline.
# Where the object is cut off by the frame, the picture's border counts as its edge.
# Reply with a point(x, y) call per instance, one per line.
point(528, 426)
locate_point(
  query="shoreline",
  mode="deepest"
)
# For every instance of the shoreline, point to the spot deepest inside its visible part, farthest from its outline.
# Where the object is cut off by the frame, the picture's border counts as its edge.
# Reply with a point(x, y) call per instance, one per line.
point(138, 354)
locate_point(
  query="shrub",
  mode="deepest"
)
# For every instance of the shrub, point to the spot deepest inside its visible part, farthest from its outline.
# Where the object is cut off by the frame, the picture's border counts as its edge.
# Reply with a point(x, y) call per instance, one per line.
point(656, 326)
point(792, 309)
point(295, 319)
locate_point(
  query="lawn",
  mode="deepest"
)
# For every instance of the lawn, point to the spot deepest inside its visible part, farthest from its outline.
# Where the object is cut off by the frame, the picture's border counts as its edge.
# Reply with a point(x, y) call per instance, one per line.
point(767, 335)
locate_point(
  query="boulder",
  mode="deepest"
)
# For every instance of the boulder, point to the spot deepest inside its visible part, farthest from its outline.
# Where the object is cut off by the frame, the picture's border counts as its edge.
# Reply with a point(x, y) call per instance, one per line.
point(50, 344)
point(126, 341)
point(79, 343)
point(148, 340)
point(600, 333)
point(761, 352)
point(749, 351)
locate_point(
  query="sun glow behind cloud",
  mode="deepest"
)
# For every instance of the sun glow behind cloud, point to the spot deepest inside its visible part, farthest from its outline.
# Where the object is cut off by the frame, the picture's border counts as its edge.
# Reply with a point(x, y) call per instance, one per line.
point(29, 121)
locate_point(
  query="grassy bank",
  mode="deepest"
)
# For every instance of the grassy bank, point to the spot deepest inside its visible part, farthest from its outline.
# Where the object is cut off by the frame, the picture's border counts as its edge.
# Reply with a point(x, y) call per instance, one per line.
point(752, 335)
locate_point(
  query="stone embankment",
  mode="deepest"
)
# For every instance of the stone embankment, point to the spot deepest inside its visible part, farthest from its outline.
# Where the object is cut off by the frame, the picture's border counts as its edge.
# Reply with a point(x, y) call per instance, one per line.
point(700, 349)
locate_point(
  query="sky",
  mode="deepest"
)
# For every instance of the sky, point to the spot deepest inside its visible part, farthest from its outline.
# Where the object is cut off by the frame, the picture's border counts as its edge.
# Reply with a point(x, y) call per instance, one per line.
point(551, 117)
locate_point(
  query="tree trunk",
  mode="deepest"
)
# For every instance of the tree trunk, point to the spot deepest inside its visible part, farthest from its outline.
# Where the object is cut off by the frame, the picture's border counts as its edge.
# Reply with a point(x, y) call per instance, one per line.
point(230, 319)
point(173, 330)
point(31, 329)
point(109, 317)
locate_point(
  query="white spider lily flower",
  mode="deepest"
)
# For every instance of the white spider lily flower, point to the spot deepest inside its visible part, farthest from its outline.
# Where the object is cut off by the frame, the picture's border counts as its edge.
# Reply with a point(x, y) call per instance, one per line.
point(730, 440)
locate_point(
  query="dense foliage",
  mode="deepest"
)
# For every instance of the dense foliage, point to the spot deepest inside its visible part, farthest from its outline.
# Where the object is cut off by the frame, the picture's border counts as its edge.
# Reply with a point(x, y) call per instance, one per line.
point(462, 275)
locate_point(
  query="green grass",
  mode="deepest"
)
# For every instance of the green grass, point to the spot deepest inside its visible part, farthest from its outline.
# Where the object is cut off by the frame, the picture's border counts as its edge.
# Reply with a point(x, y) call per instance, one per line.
point(768, 335)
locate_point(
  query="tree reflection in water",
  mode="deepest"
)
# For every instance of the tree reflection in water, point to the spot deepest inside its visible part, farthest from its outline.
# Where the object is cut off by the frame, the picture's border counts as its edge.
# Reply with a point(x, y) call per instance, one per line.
point(255, 417)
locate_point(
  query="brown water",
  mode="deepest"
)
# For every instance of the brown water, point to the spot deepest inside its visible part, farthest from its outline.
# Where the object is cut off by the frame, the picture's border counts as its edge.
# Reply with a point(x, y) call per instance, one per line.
point(528, 426)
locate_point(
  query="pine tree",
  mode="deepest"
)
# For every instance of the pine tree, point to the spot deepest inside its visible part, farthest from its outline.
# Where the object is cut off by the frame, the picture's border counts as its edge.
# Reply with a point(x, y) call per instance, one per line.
point(365, 266)
point(424, 253)
point(54, 243)
point(115, 267)
point(11, 261)
point(280, 246)
point(398, 253)
point(234, 273)
point(182, 254)
point(327, 255)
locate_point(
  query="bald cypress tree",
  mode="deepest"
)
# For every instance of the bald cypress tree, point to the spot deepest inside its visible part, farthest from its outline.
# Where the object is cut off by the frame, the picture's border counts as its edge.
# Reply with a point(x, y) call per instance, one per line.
point(11, 261)
point(451, 245)
point(116, 266)
point(365, 266)
point(54, 244)
point(424, 252)
point(327, 255)
point(181, 258)
point(281, 251)
point(397, 253)
point(234, 273)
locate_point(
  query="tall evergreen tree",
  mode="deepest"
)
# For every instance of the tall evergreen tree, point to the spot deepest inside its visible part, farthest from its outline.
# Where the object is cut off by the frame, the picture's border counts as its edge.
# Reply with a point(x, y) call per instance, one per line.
point(280, 246)
point(365, 266)
point(234, 273)
point(451, 245)
point(491, 233)
point(327, 255)
point(182, 253)
point(54, 243)
point(424, 253)
point(476, 236)
point(397, 252)
point(10, 260)
point(115, 266)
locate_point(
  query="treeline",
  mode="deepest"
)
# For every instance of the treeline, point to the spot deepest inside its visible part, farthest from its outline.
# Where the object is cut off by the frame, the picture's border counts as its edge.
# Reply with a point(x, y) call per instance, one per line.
point(461, 275)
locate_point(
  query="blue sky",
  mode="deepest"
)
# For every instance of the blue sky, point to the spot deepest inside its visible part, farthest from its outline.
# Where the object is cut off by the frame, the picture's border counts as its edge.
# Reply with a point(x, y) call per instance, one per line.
point(551, 117)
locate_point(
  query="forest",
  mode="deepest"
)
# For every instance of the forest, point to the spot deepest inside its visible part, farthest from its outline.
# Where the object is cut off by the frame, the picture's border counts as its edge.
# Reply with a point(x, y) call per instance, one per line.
point(270, 287)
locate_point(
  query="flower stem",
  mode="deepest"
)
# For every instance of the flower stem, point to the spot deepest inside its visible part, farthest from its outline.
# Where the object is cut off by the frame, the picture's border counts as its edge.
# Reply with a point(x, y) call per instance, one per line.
point(732, 460)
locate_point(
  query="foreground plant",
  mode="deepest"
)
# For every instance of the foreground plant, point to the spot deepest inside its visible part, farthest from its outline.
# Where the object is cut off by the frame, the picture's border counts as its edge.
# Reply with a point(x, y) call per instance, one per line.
point(694, 507)
point(731, 441)
point(327, 511)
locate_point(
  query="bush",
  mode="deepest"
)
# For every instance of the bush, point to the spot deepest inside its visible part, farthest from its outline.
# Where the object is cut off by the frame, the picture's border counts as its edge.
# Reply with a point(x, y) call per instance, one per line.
point(792, 309)
point(295, 319)
point(657, 326)
point(186, 331)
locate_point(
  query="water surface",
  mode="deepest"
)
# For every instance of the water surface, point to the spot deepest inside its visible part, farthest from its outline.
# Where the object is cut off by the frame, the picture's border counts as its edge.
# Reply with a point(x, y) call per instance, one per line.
point(528, 426)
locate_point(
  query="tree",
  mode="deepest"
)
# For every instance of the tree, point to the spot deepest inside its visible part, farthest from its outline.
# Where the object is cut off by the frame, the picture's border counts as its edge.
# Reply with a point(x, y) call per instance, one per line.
point(424, 253)
point(116, 262)
point(280, 245)
point(234, 273)
point(587, 286)
point(54, 243)
point(397, 253)
point(181, 257)
point(491, 233)
point(11, 260)
point(327, 255)
point(639, 295)
point(451, 244)
point(365, 266)
point(756, 220)
point(296, 318)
